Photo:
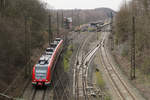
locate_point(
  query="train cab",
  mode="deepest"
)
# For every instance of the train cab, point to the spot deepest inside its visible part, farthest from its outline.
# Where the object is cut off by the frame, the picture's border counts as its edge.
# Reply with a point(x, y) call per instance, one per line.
point(41, 72)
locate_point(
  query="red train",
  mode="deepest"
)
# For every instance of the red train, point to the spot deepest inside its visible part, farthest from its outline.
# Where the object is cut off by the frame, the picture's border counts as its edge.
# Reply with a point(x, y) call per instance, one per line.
point(43, 70)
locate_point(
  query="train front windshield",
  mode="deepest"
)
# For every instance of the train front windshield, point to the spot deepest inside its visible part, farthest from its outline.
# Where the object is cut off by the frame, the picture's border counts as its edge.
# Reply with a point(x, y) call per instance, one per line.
point(49, 50)
point(40, 72)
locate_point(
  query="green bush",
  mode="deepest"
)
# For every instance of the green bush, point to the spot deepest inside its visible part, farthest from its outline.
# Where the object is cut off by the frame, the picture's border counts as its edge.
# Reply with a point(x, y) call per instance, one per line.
point(100, 81)
point(107, 98)
point(66, 58)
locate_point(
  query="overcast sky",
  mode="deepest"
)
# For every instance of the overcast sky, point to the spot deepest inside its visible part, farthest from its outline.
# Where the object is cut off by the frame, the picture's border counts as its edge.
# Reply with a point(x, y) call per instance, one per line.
point(85, 4)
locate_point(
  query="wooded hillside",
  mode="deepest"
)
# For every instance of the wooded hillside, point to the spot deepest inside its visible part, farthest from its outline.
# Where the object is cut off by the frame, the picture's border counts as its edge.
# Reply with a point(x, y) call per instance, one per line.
point(84, 16)
point(24, 25)
point(12, 34)
point(123, 30)
point(140, 9)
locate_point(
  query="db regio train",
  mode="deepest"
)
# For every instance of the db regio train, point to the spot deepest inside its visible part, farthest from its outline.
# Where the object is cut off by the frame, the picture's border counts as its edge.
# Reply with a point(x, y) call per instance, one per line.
point(43, 70)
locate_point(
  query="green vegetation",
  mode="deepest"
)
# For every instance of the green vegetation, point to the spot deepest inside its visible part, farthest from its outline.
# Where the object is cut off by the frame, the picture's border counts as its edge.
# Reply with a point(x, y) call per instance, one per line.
point(101, 84)
point(90, 29)
point(107, 98)
point(99, 80)
point(66, 58)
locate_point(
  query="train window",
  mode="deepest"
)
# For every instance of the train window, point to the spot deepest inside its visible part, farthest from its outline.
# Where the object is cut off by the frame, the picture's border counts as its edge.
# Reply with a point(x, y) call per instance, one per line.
point(42, 62)
point(49, 50)
point(49, 53)
point(56, 42)
point(40, 72)
point(58, 39)
point(53, 45)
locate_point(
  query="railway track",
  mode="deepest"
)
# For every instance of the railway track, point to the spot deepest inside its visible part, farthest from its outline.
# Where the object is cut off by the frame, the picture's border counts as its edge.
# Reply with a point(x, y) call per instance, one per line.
point(39, 94)
point(81, 71)
point(120, 86)
point(35, 93)
point(78, 71)
point(77, 76)
point(47, 93)
point(86, 63)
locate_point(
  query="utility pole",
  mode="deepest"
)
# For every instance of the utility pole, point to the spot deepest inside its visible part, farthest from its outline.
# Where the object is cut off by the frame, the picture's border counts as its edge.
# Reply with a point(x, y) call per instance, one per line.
point(79, 20)
point(97, 32)
point(27, 47)
point(97, 26)
point(62, 23)
point(133, 50)
point(125, 3)
point(132, 72)
point(111, 30)
point(79, 17)
point(26, 58)
point(57, 24)
point(72, 18)
point(2, 4)
point(2, 7)
point(50, 31)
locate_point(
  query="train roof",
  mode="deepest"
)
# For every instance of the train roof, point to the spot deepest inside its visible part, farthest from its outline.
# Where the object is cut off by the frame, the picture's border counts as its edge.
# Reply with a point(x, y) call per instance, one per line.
point(44, 60)
point(50, 49)
point(53, 44)
point(58, 39)
point(46, 57)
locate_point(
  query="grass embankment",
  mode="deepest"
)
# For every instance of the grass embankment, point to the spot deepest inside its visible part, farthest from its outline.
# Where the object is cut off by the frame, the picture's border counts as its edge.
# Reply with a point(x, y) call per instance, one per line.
point(67, 57)
point(101, 84)
point(100, 81)
point(99, 78)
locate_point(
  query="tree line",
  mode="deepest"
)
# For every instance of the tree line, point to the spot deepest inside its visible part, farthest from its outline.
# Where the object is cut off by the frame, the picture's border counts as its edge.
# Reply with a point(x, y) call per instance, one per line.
point(140, 9)
point(16, 17)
